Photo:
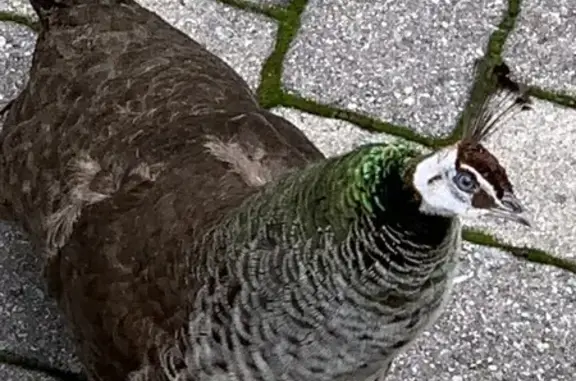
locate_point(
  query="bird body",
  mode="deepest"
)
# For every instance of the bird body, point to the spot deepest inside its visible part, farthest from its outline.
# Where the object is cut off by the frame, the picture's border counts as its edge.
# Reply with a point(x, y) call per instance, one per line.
point(188, 234)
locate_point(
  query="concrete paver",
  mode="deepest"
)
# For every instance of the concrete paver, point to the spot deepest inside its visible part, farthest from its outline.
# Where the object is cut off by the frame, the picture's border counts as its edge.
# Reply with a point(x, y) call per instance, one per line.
point(406, 62)
point(22, 7)
point(542, 46)
point(30, 323)
point(16, 48)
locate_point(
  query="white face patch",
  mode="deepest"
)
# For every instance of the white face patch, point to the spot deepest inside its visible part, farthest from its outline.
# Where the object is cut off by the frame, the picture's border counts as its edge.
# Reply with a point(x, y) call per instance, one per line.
point(433, 179)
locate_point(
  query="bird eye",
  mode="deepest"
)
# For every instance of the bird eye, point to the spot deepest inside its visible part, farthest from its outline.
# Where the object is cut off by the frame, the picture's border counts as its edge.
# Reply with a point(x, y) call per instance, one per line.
point(465, 181)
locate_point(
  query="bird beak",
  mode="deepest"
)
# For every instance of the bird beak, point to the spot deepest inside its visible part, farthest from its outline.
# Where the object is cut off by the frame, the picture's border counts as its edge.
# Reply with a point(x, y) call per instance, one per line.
point(511, 209)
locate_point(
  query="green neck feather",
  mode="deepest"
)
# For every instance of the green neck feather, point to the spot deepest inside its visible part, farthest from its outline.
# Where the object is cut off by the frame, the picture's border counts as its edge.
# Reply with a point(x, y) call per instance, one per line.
point(331, 194)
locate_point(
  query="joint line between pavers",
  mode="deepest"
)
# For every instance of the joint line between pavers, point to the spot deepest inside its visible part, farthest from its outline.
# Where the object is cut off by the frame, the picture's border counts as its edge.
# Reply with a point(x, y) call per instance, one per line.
point(269, 91)
point(272, 11)
point(528, 254)
point(552, 96)
point(20, 19)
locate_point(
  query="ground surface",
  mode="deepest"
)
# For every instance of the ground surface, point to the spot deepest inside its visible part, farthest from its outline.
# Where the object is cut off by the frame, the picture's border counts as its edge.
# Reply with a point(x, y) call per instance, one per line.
point(339, 68)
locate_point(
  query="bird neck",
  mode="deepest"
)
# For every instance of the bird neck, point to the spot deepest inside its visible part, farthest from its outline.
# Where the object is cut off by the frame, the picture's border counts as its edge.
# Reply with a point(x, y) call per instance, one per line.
point(365, 189)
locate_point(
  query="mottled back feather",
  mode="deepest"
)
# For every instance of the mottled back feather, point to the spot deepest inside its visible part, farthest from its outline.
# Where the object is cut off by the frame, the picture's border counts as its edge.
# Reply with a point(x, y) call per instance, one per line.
point(121, 117)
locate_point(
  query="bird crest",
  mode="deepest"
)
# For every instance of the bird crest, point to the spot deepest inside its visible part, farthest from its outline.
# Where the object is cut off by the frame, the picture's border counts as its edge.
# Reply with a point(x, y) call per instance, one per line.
point(487, 115)
point(466, 179)
point(490, 112)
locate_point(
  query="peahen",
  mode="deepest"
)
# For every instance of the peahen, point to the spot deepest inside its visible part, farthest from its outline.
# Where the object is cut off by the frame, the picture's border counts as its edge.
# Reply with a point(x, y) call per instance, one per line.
point(189, 234)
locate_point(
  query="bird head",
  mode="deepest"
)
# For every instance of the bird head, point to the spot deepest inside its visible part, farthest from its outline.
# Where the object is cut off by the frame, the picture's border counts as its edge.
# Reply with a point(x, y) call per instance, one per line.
point(465, 179)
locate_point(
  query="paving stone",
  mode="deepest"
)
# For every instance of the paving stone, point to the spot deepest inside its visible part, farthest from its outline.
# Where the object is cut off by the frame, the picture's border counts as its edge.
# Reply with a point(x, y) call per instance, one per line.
point(242, 39)
point(406, 62)
point(507, 320)
point(271, 2)
point(16, 48)
point(30, 322)
point(537, 148)
point(22, 7)
point(333, 136)
point(11, 373)
point(542, 46)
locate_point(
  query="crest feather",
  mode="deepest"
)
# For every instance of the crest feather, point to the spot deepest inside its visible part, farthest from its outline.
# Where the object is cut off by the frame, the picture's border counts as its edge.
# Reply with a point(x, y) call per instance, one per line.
point(506, 99)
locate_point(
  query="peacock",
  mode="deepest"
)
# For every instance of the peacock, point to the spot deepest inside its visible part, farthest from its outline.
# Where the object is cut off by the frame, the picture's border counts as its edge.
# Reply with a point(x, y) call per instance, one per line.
point(189, 234)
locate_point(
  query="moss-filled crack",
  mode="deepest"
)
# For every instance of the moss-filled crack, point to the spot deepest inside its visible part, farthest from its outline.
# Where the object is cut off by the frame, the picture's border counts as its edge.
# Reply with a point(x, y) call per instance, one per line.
point(483, 85)
point(270, 93)
point(525, 253)
point(553, 96)
point(16, 18)
point(273, 11)
point(36, 365)
point(362, 121)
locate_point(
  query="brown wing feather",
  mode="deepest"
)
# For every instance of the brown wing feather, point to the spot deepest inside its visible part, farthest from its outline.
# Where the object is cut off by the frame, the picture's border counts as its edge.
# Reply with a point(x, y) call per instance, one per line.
point(129, 140)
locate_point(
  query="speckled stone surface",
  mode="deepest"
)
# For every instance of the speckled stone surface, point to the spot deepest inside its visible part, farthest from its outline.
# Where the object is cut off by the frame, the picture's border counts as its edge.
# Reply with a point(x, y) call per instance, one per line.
point(542, 46)
point(16, 48)
point(22, 7)
point(537, 148)
point(407, 62)
point(270, 2)
point(30, 323)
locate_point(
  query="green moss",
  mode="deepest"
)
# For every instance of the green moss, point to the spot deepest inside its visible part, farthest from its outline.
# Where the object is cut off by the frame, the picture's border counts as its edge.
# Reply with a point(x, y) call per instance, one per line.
point(35, 365)
point(524, 253)
point(20, 19)
point(552, 96)
point(271, 11)
point(270, 92)
point(362, 121)
point(482, 86)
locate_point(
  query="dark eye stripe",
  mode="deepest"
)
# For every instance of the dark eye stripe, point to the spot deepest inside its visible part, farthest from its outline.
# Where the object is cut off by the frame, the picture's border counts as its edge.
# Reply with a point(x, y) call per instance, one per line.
point(481, 199)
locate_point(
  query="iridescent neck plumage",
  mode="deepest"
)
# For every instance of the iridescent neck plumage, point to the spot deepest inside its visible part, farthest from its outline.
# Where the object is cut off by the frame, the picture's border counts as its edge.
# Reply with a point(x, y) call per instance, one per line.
point(333, 193)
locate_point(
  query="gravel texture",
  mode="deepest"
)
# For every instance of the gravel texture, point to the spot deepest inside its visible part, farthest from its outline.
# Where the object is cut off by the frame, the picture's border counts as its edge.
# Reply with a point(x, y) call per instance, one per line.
point(16, 47)
point(30, 324)
point(22, 7)
point(407, 62)
point(542, 46)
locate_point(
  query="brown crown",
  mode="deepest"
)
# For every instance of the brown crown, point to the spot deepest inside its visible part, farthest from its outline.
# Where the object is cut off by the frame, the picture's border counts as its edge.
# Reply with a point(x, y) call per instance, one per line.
point(476, 156)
